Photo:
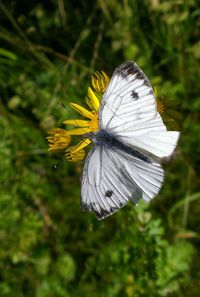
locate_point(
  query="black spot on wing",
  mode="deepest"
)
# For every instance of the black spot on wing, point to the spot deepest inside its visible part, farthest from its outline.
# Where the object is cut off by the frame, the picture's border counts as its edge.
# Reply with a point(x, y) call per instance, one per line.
point(109, 194)
point(131, 68)
point(134, 95)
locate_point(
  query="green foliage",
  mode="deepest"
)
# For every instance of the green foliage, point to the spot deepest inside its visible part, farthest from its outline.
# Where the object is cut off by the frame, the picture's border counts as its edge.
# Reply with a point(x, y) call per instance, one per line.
point(49, 248)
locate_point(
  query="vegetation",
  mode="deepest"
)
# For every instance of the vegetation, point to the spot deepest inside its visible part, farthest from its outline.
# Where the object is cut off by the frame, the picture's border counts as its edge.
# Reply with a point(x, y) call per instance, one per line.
point(48, 247)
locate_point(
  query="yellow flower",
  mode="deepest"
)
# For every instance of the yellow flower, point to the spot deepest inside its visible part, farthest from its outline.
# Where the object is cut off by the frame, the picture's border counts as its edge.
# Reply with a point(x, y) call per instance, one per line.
point(100, 81)
point(85, 126)
point(72, 156)
point(160, 106)
point(171, 117)
point(61, 138)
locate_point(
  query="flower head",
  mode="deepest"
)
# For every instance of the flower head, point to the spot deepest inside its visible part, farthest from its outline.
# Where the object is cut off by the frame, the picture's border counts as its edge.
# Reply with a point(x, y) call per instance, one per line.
point(60, 138)
point(170, 116)
point(100, 80)
point(72, 156)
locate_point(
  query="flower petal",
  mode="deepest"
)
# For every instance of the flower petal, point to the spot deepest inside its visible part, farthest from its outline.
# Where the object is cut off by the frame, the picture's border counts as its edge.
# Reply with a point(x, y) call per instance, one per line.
point(77, 153)
point(81, 145)
point(89, 103)
point(74, 157)
point(86, 113)
point(77, 123)
point(79, 131)
point(94, 100)
point(59, 139)
point(100, 81)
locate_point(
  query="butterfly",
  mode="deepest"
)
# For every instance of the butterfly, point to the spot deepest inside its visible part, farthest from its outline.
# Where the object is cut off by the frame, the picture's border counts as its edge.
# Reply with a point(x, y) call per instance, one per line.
point(124, 162)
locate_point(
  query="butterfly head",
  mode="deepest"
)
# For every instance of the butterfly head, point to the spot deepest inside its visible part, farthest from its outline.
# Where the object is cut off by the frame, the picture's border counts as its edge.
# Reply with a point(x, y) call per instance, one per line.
point(91, 136)
point(99, 137)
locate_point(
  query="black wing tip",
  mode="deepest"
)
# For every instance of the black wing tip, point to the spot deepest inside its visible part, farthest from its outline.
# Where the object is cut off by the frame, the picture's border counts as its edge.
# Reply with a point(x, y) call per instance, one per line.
point(131, 68)
point(102, 213)
point(105, 213)
point(126, 68)
point(84, 207)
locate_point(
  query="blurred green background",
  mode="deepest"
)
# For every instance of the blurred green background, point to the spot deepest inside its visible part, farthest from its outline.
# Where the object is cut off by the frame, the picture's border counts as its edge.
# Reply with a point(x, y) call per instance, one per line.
point(48, 247)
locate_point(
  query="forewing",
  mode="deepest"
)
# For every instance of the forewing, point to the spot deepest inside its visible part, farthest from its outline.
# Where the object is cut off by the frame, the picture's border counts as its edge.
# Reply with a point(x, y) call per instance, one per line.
point(128, 100)
point(111, 177)
point(128, 111)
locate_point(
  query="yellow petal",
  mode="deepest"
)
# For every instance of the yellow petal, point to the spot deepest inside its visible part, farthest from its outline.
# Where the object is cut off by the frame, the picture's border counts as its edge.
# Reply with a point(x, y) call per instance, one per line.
point(86, 113)
point(79, 131)
point(94, 99)
point(77, 123)
point(100, 81)
point(81, 145)
point(107, 78)
point(155, 90)
point(89, 103)
point(74, 157)
point(59, 139)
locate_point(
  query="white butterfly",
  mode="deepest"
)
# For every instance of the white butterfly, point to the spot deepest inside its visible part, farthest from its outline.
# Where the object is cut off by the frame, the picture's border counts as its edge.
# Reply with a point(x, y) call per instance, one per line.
point(124, 164)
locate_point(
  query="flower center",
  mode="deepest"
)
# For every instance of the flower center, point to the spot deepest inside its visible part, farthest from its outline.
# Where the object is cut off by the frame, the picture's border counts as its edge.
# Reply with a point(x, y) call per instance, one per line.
point(160, 106)
point(94, 123)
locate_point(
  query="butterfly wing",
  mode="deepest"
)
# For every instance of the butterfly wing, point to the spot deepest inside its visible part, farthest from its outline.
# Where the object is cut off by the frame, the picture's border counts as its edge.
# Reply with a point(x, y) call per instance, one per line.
point(128, 111)
point(112, 176)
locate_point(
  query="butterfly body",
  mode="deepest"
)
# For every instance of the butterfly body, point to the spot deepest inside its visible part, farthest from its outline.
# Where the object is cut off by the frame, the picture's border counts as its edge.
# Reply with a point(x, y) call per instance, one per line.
point(105, 139)
point(124, 162)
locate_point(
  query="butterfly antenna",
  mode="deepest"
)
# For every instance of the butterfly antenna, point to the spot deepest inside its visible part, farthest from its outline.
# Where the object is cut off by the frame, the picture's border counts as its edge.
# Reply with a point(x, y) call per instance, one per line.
point(64, 106)
point(56, 166)
point(114, 113)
